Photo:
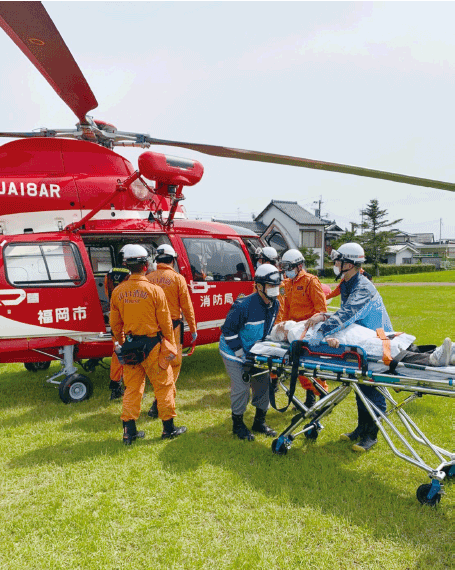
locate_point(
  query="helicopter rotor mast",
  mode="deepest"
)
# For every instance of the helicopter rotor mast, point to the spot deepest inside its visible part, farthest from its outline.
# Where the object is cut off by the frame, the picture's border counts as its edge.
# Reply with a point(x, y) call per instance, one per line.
point(30, 27)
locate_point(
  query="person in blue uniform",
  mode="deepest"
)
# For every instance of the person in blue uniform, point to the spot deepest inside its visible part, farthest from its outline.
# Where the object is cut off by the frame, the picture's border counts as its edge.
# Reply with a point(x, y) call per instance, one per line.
point(250, 320)
point(361, 304)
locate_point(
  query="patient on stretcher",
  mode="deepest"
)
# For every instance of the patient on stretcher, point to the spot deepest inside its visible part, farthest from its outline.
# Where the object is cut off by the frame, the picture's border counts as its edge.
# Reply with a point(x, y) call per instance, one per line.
point(377, 344)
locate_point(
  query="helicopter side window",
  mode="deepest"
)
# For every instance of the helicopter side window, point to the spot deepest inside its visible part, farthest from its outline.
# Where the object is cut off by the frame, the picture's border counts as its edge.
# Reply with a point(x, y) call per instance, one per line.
point(214, 259)
point(253, 245)
point(48, 264)
point(101, 259)
point(277, 241)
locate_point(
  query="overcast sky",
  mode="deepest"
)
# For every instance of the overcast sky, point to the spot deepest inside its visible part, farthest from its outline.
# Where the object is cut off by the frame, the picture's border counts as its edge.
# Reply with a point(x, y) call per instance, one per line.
point(364, 83)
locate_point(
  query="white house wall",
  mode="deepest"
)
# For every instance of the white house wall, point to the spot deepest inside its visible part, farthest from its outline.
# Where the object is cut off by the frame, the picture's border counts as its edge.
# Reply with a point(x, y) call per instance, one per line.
point(291, 226)
point(294, 229)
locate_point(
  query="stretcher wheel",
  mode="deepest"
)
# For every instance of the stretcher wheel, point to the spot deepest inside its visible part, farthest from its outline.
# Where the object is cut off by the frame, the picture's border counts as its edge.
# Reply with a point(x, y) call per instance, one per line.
point(282, 450)
point(312, 433)
point(449, 470)
point(422, 495)
point(75, 388)
point(35, 366)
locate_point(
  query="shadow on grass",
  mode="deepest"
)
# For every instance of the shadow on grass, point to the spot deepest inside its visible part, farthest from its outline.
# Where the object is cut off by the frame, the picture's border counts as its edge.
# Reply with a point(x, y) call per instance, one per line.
point(325, 481)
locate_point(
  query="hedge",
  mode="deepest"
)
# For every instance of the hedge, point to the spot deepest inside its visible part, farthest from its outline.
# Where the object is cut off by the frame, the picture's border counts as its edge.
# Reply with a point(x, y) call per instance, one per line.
point(384, 269)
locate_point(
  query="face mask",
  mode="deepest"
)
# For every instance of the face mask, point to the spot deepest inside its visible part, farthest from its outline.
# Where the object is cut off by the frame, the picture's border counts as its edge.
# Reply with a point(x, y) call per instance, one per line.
point(290, 273)
point(272, 292)
point(336, 270)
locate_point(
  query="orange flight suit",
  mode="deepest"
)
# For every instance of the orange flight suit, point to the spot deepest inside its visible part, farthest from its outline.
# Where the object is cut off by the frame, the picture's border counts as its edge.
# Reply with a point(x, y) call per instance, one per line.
point(179, 300)
point(335, 292)
point(116, 370)
point(303, 297)
point(140, 308)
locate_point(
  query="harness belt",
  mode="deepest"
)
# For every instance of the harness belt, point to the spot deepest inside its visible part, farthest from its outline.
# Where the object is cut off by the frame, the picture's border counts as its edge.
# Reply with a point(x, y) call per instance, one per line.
point(136, 348)
point(175, 324)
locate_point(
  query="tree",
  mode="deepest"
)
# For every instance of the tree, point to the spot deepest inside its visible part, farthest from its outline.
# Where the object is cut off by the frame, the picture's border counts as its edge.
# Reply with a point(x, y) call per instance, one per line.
point(346, 237)
point(311, 258)
point(376, 239)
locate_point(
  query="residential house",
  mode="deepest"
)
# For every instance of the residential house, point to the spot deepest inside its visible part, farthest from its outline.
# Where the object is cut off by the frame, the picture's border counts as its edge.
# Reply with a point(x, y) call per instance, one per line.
point(285, 225)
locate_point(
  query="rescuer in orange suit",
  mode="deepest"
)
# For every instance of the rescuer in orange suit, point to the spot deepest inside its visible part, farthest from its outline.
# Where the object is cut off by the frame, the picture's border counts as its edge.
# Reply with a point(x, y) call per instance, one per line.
point(178, 300)
point(302, 298)
point(139, 311)
point(113, 278)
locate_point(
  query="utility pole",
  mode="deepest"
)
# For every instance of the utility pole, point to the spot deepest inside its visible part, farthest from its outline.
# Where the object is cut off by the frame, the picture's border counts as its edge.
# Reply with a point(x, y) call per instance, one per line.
point(318, 211)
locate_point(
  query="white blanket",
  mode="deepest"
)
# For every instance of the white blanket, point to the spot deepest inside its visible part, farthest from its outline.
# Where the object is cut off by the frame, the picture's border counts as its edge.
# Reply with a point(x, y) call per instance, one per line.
point(353, 334)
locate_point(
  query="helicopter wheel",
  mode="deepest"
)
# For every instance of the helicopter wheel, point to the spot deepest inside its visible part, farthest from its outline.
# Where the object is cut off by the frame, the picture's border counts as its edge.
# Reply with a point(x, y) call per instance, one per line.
point(75, 388)
point(422, 496)
point(35, 366)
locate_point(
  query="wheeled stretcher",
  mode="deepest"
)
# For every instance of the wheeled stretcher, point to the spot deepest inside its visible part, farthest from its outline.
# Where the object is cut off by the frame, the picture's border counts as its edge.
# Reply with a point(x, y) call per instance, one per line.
point(349, 366)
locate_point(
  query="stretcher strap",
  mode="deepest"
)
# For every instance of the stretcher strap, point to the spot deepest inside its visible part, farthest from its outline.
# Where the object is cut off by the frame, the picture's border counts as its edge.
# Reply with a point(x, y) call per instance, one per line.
point(386, 352)
point(295, 352)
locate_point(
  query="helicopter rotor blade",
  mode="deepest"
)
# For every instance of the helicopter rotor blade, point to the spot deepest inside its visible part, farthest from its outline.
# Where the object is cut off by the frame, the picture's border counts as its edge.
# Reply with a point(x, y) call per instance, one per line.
point(28, 24)
point(258, 156)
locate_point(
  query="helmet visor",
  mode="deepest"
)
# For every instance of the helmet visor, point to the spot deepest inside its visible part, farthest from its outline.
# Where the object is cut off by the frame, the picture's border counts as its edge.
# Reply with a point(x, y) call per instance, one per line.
point(273, 278)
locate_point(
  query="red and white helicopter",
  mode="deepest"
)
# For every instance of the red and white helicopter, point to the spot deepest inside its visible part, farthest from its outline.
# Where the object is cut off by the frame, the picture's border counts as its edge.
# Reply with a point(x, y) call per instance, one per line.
point(68, 203)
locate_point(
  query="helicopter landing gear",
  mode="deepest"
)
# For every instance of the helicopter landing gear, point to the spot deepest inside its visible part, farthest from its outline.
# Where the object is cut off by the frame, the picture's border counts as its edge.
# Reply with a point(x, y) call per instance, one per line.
point(35, 366)
point(75, 388)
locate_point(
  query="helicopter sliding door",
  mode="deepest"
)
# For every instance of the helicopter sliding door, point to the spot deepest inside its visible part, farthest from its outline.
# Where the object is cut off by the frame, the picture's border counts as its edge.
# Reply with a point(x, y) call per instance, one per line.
point(220, 273)
point(104, 254)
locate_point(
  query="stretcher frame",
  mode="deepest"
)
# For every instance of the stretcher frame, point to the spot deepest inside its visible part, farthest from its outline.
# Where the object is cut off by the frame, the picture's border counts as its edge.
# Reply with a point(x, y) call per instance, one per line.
point(349, 366)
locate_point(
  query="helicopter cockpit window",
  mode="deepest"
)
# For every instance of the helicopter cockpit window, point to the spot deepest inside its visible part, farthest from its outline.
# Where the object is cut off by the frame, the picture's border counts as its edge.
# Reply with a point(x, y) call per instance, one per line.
point(214, 259)
point(51, 264)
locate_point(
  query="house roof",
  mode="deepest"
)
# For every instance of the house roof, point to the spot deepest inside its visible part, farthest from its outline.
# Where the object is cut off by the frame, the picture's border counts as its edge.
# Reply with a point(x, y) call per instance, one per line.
point(400, 247)
point(294, 211)
point(255, 226)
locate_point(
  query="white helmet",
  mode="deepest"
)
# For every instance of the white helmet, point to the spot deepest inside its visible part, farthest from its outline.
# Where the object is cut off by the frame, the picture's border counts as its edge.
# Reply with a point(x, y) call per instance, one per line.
point(267, 273)
point(269, 254)
point(291, 258)
point(165, 250)
point(134, 253)
point(350, 253)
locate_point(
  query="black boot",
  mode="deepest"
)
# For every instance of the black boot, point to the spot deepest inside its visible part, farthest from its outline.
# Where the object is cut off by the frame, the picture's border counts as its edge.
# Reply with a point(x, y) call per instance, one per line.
point(239, 428)
point(130, 432)
point(259, 425)
point(354, 435)
point(170, 430)
point(370, 438)
point(153, 412)
point(116, 389)
point(310, 399)
point(363, 423)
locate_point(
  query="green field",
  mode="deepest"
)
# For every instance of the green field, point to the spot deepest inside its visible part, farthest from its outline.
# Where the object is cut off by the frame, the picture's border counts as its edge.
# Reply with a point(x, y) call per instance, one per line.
point(432, 277)
point(73, 497)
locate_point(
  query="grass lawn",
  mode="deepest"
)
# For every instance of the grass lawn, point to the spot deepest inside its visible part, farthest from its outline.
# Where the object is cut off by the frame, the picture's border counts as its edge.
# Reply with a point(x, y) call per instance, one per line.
point(73, 497)
point(431, 277)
